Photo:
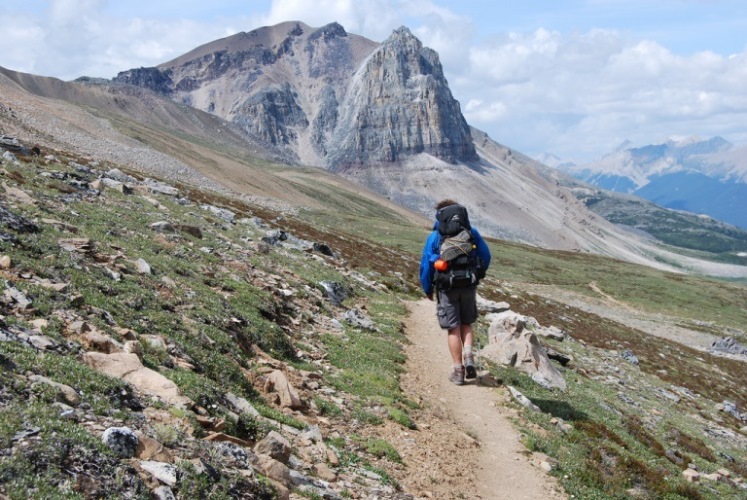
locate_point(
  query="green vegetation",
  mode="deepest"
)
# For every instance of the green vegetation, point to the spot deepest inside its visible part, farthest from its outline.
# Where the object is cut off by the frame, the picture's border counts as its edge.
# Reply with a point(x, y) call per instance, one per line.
point(223, 301)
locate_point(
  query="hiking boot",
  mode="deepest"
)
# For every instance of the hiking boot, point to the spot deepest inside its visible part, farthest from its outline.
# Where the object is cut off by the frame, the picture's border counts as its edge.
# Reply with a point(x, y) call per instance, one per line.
point(469, 366)
point(457, 375)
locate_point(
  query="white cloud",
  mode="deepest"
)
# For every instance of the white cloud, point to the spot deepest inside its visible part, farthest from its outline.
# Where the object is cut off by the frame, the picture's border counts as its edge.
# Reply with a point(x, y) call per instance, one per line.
point(374, 19)
point(578, 95)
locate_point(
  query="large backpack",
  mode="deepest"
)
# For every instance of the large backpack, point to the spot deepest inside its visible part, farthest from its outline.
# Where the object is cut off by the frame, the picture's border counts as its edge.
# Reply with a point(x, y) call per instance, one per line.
point(457, 247)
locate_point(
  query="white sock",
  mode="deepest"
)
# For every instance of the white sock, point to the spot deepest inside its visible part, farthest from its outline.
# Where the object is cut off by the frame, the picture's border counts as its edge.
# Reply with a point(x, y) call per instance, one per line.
point(467, 350)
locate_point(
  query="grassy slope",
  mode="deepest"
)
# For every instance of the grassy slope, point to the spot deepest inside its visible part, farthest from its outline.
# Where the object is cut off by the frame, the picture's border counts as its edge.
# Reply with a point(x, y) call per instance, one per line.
point(613, 447)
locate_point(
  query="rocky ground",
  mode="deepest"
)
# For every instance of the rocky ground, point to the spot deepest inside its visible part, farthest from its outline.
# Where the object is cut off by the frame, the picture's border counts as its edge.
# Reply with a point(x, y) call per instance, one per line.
point(171, 343)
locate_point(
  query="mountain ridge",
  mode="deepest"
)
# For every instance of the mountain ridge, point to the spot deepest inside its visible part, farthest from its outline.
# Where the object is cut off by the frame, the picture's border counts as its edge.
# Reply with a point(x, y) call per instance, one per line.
point(699, 176)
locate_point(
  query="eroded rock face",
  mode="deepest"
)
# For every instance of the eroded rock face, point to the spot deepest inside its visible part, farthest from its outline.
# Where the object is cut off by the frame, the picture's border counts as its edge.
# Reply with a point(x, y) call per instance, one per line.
point(273, 114)
point(399, 104)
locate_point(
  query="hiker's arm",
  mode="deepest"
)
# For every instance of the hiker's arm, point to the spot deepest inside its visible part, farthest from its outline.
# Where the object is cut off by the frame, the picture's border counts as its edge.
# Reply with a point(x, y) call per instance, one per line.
point(430, 254)
point(483, 252)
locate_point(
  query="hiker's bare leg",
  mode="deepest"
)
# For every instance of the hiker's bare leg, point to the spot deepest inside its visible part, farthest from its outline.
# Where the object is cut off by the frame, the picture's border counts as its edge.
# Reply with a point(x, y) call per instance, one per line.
point(467, 335)
point(455, 345)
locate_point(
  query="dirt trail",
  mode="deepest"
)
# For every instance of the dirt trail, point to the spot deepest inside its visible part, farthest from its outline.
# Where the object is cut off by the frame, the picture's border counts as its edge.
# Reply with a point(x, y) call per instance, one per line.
point(465, 445)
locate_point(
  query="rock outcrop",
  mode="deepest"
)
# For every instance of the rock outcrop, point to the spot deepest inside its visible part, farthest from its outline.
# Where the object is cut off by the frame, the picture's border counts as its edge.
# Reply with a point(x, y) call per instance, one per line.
point(513, 343)
point(399, 104)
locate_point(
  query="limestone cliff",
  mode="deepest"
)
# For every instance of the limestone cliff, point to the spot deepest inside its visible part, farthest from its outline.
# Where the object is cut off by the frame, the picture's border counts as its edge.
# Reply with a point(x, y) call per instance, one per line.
point(399, 104)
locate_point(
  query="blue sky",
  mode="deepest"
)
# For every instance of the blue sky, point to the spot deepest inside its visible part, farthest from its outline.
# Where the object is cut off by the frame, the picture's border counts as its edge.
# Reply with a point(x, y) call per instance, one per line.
point(570, 77)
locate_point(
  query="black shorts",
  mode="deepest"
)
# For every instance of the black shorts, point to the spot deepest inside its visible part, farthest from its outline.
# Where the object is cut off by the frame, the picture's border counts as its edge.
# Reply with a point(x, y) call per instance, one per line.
point(457, 306)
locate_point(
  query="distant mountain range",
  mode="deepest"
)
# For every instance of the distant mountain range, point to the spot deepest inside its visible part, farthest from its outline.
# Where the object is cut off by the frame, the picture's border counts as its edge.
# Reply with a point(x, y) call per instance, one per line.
point(700, 176)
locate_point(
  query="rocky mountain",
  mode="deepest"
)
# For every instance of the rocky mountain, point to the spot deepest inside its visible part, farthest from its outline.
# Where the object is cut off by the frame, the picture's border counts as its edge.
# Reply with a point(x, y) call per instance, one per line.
point(325, 96)
point(700, 176)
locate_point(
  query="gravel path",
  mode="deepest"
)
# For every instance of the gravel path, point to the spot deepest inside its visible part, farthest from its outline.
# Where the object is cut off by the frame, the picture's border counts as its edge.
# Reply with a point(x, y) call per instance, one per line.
point(466, 446)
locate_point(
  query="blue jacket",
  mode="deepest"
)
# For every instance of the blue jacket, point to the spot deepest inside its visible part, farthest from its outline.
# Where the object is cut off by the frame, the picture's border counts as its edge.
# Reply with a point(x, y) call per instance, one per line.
point(431, 255)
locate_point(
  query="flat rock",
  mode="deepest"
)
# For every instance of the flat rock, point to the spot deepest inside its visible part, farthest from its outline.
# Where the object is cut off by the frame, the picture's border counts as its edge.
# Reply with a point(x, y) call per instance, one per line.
point(129, 368)
point(166, 473)
point(71, 397)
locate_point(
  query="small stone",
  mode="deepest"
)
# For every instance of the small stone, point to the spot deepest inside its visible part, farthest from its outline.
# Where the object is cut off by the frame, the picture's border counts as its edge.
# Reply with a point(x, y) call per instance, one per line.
point(324, 473)
point(143, 267)
point(690, 475)
point(5, 262)
point(163, 493)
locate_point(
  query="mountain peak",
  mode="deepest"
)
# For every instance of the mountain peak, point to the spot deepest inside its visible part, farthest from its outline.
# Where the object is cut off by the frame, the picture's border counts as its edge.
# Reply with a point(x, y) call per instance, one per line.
point(330, 31)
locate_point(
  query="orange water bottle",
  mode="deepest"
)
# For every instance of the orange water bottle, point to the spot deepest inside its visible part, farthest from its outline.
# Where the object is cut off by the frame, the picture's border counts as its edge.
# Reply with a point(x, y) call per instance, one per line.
point(441, 265)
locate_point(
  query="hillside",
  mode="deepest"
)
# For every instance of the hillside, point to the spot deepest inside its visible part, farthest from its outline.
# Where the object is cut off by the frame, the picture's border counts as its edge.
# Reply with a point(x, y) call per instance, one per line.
point(677, 228)
point(265, 354)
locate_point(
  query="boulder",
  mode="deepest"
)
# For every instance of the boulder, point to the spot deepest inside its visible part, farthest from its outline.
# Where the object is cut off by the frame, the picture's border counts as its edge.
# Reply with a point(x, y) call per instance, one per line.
point(277, 382)
point(221, 213)
point(165, 473)
point(512, 343)
point(120, 176)
point(551, 332)
point(268, 466)
point(336, 293)
point(728, 345)
point(96, 341)
point(68, 393)
point(356, 318)
point(121, 440)
point(242, 405)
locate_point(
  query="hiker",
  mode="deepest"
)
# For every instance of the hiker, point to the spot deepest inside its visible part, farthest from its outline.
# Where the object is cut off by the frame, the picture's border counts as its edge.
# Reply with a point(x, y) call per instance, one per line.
point(455, 258)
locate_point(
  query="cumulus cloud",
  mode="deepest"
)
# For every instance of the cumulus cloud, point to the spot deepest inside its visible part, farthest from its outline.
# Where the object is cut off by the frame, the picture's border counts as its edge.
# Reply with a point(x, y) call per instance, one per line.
point(374, 19)
point(579, 94)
